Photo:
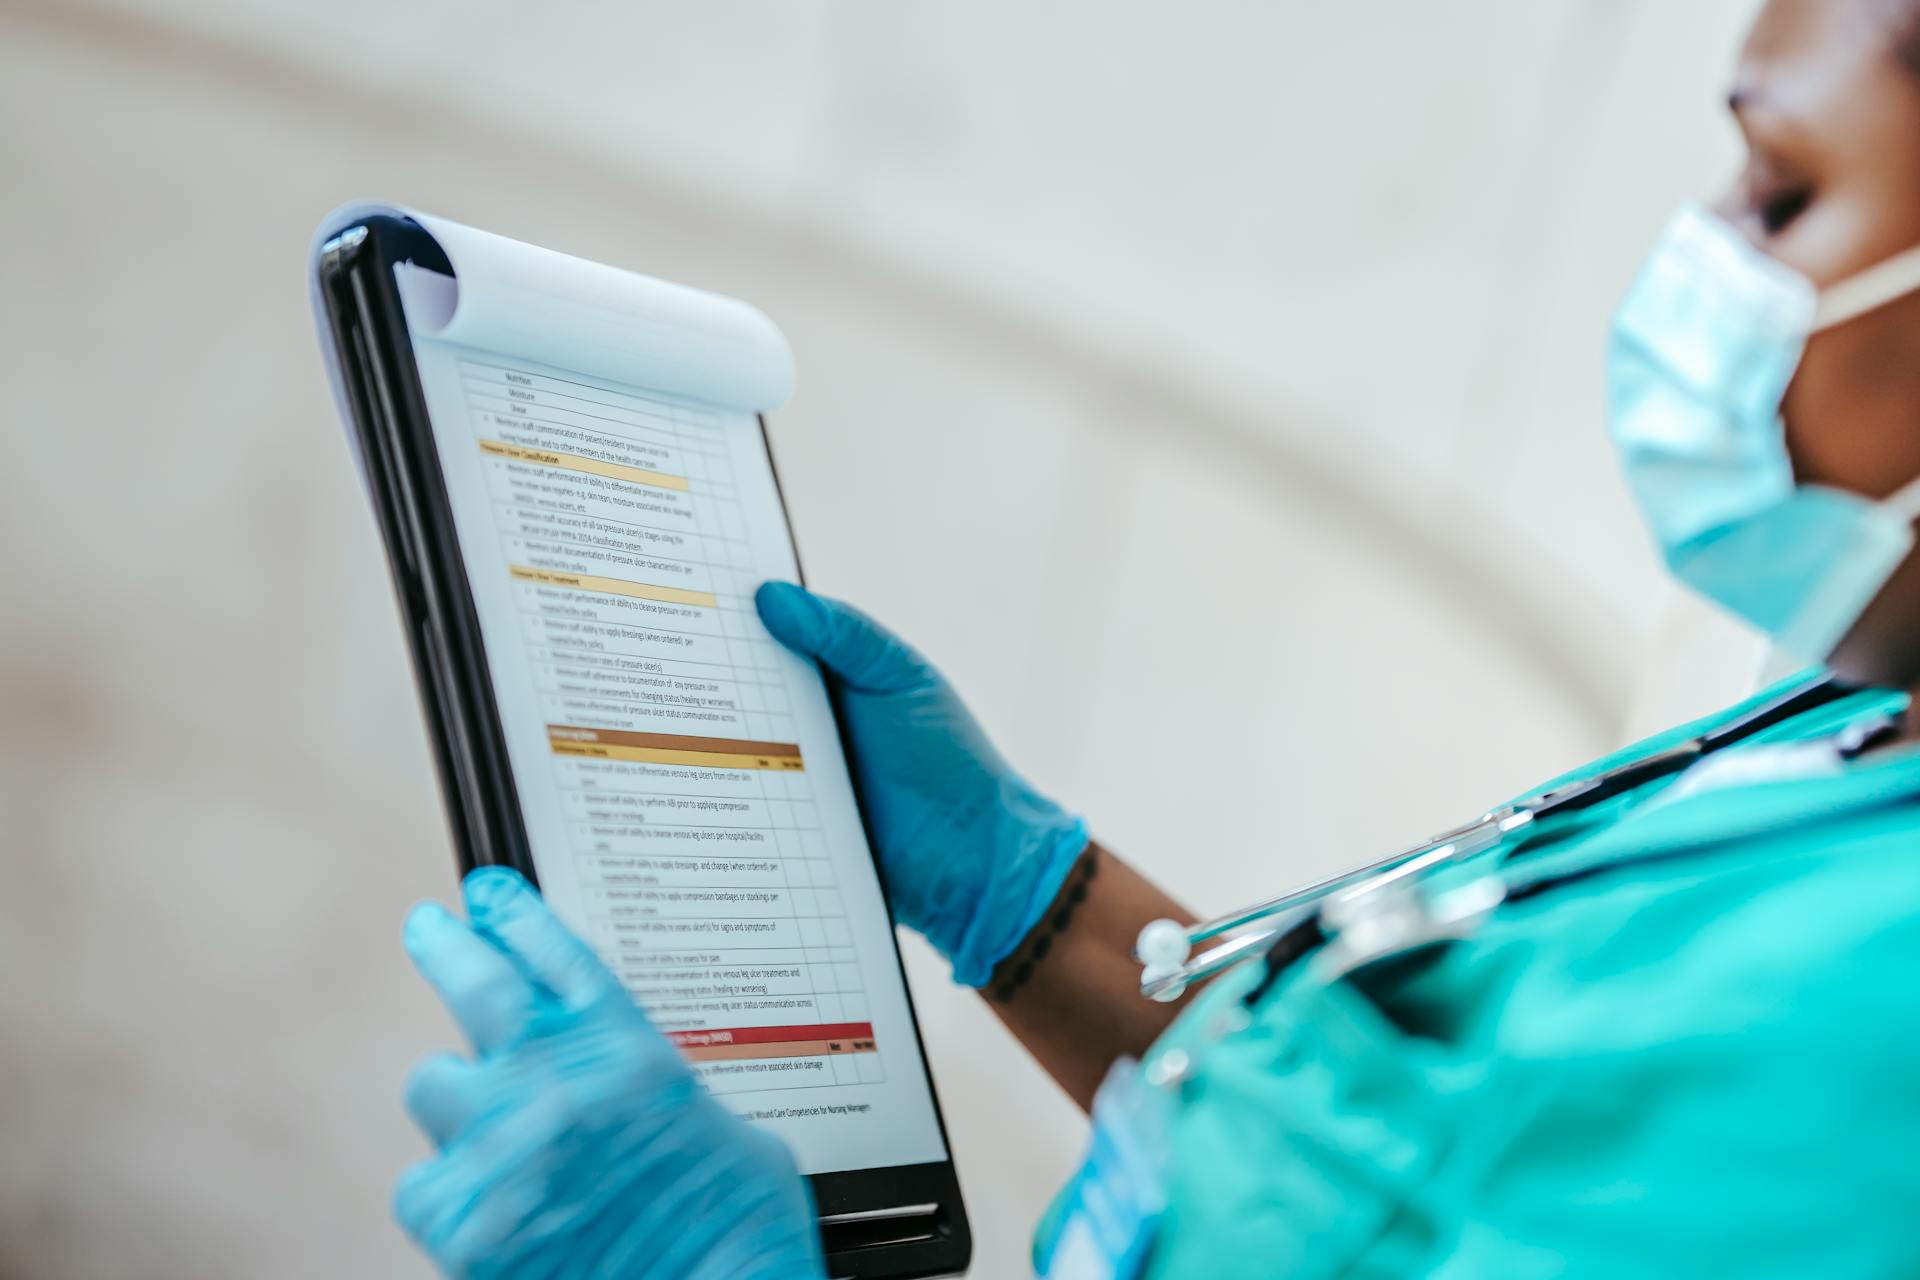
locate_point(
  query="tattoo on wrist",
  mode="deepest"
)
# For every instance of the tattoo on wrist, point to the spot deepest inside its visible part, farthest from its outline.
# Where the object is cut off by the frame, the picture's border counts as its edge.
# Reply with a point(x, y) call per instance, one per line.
point(1017, 969)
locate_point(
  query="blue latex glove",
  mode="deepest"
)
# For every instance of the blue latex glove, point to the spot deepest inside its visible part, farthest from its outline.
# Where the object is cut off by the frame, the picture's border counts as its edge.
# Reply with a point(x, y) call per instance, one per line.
point(971, 854)
point(576, 1142)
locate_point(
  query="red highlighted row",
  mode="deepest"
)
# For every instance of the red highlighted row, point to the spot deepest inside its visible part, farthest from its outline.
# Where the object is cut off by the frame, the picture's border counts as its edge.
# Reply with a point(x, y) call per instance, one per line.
point(775, 1042)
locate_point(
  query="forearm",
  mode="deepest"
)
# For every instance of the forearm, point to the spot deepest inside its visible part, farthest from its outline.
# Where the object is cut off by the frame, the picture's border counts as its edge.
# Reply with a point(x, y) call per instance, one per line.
point(1070, 992)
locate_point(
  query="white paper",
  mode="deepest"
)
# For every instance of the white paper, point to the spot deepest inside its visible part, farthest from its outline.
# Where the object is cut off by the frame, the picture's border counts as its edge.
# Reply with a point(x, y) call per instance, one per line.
point(680, 775)
point(565, 311)
point(571, 313)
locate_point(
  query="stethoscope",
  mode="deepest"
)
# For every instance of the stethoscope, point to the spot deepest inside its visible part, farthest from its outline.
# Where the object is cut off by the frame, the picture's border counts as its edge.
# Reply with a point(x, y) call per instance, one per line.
point(1384, 907)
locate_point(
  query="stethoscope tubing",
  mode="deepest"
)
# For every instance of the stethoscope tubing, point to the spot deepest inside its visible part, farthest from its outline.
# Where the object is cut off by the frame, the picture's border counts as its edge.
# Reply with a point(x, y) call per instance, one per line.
point(1165, 947)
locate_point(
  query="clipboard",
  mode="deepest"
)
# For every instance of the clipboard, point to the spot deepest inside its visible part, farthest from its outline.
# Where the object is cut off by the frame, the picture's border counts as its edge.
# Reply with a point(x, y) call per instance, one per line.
point(570, 468)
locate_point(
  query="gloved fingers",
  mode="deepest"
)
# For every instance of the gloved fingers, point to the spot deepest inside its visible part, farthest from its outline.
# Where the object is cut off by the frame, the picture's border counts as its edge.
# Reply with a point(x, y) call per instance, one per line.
point(421, 1200)
point(410, 1194)
point(490, 999)
point(465, 1205)
point(444, 1095)
point(505, 908)
point(491, 1232)
point(435, 1200)
point(861, 652)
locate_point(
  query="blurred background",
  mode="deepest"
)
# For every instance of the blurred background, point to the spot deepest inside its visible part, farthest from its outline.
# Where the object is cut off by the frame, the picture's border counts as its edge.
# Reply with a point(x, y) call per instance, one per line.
point(1214, 389)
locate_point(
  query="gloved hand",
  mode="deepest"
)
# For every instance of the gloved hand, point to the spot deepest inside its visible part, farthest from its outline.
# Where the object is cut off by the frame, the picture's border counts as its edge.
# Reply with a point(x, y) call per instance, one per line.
point(576, 1142)
point(971, 854)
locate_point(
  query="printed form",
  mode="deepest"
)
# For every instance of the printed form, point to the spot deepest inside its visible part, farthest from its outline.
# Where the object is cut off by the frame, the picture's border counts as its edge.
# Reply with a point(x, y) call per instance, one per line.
point(679, 772)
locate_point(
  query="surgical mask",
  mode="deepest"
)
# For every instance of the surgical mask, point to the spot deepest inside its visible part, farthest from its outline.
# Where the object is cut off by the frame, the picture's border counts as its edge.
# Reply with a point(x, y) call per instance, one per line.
point(1702, 351)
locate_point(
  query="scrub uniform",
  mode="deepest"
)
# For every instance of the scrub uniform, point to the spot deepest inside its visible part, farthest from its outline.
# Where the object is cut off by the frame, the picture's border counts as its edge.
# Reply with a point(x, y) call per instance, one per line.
point(1692, 1049)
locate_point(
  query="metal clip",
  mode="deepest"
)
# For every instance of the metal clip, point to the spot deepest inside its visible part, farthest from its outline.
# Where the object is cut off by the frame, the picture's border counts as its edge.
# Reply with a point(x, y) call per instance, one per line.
point(1393, 916)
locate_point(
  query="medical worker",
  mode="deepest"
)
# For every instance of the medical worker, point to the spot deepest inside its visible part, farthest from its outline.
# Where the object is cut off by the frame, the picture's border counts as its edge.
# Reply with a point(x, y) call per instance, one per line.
point(1687, 1040)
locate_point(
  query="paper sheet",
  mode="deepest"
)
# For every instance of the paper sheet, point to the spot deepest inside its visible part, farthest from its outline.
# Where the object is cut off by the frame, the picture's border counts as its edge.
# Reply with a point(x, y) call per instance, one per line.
point(681, 780)
point(557, 309)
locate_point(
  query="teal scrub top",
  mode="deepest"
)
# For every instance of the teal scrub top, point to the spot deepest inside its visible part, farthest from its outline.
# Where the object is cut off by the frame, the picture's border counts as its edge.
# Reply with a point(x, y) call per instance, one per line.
point(1701, 1057)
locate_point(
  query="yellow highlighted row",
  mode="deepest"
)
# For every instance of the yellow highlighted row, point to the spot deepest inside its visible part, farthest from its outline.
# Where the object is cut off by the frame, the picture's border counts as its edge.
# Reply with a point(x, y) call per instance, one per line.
point(666, 755)
point(614, 586)
point(592, 466)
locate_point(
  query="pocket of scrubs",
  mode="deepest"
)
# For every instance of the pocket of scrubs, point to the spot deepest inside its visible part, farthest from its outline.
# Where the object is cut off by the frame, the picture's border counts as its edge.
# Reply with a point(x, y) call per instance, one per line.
point(1111, 1211)
point(1304, 1136)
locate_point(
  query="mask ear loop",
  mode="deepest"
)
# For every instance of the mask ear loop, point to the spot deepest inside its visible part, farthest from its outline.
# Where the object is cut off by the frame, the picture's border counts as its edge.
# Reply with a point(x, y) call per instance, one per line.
point(1869, 290)
point(1905, 504)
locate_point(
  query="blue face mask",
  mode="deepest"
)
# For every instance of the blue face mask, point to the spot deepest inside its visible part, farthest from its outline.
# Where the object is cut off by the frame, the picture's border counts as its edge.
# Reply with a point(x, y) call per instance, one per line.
point(1702, 351)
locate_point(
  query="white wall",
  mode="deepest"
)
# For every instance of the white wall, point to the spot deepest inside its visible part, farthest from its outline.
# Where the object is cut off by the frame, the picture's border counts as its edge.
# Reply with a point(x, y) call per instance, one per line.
point(1214, 388)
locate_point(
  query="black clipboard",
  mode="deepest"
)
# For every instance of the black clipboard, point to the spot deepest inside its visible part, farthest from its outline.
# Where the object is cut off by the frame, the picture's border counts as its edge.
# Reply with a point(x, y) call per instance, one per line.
point(896, 1222)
